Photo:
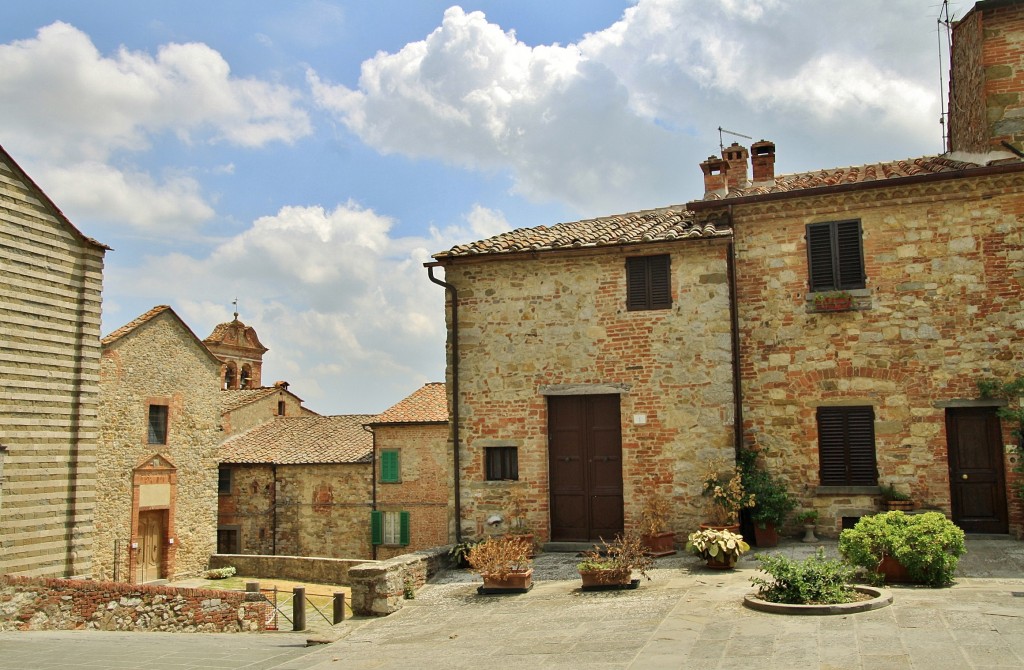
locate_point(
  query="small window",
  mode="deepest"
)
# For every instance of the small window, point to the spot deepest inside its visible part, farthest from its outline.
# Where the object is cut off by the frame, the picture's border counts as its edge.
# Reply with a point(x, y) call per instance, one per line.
point(229, 376)
point(846, 446)
point(224, 481)
point(835, 256)
point(501, 463)
point(281, 407)
point(157, 424)
point(648, 283)
point(390, 466)
point(389, 528)
point(227, 540)
point(246, 380)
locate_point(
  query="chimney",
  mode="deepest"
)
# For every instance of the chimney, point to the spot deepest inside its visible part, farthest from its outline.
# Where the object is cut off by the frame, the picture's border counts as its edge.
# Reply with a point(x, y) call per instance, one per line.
point(715, 174)
point(736, 156)
point(762, 159)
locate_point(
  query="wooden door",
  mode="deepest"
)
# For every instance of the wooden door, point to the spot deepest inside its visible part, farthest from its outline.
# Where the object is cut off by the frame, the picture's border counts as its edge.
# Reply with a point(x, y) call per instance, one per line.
point(585, 467)
point(149, 566)
point(976, 479)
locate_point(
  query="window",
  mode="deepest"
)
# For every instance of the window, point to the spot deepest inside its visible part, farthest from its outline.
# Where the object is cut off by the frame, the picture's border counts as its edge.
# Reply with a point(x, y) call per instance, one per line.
point(227, 540)
point(157, 433)
point(224, 481)
point(501, 463)
point(648, 283)
point(246, 379)
point(389, 528)
point(835, 256)
point(229, 376)
point(390, 470)
point(281, 406)
point(846, 446)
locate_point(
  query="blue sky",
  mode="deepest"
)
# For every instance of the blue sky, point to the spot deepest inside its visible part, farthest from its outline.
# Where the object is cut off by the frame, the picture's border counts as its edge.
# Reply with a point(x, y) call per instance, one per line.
point(308, 157)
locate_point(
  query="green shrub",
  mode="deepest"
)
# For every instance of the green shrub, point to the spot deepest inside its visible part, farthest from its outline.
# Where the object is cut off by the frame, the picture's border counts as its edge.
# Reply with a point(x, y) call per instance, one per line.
point(928, 545)
point(813, 581)
point(220, 573)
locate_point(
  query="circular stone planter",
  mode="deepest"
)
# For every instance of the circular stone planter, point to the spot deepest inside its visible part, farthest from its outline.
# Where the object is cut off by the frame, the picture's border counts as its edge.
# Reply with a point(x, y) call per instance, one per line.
point(879, 598)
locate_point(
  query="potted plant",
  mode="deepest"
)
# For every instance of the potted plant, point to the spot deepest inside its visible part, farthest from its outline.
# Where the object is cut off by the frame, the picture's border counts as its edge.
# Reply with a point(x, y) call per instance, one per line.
point(719, 548)
point(657, 538)
point(612, 565)
point(809, 518)
point(518, 528)
point(458, 555)
point(923, 548)
point(504, 563)
point(726, 497)
point(772, 499)
point(833, 301)
point(896, 499)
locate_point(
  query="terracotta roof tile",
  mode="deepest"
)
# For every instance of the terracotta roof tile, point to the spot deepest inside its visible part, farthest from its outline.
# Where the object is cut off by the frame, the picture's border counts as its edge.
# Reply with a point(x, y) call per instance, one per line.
point(293, 440)
point(232, 399)
point(653, 225)
point(428, 404)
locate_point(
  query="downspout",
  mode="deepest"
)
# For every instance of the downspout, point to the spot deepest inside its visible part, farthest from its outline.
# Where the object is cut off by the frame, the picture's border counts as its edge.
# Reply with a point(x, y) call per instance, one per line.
point(734, 326)
point(455, 393)
point(373, 482)
point(273, 507)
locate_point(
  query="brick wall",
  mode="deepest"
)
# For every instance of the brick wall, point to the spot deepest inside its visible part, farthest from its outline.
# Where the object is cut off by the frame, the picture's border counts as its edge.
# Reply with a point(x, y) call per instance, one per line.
point(527, 324)
point(64, 604)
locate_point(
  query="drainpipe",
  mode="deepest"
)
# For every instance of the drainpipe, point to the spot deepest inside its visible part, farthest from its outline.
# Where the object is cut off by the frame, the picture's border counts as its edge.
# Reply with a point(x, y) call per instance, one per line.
point(734, 326)
point(373, 482)
point(273, 507)
point(455, 393)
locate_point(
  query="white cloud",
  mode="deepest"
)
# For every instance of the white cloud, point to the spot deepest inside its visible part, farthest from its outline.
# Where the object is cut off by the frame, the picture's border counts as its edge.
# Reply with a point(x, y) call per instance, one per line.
point(486, 222)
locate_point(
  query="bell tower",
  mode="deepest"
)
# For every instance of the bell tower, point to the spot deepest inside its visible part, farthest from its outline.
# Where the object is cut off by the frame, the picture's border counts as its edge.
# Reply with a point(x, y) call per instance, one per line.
point(240, 351)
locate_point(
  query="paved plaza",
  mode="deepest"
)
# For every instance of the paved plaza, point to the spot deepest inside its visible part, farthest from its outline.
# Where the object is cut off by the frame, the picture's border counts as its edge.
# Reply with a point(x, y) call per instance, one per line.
point(686, 617)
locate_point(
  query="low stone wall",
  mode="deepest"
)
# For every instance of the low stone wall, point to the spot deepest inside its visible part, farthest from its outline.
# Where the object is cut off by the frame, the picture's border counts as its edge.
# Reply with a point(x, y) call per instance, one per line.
point(35, 603)
point(296, 568)
point(378, 589)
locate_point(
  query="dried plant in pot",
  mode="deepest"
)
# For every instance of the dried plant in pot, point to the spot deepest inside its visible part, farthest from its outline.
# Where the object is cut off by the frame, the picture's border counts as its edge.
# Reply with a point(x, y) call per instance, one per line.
point(613, 564)
point(503, 563)
point(657, 538)
point(723, 488)
point(720, 549)
point(518, 526)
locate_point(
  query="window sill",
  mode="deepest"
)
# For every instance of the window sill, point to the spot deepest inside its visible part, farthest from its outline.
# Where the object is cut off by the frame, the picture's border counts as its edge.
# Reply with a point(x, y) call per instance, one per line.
point(848, 491)
point(860, 300)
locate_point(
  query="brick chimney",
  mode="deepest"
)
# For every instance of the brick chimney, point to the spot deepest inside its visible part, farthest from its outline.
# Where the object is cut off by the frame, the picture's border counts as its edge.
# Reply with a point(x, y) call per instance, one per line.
point(736, 156)
point(986, 87)
point(762, 159)
point(716, 173)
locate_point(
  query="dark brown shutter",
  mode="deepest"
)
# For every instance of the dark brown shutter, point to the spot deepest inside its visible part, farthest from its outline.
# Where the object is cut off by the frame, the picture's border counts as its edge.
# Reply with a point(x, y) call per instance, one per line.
point(648, 282)
point(660, 282)
point(819, 257)
point(636, 283)
point(835, 256)
point(850, 255)
point(846, 446)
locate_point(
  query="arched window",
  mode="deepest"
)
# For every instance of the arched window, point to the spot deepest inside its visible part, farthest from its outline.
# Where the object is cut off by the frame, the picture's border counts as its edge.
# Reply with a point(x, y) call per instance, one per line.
point(246, 377)
point(229, 376)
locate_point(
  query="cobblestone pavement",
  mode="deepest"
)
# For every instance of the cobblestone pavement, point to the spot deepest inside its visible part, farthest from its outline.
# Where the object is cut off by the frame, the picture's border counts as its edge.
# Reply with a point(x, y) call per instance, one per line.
point(686, 617)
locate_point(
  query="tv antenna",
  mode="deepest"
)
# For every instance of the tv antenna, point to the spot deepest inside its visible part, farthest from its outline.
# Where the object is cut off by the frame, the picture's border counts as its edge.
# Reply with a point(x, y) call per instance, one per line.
point(721, 142)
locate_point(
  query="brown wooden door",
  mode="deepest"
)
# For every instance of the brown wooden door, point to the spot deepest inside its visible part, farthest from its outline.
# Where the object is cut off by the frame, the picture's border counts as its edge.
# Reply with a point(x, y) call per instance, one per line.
point(976, 480)
point(585, 467)
point(151, 547)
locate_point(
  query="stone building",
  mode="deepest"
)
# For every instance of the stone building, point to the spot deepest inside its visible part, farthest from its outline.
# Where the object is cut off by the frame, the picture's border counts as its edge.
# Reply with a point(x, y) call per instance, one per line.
point(159, 431)
point(297, 486)
point(243, 409)
point(413, 474)
point(50, 289)
point(612, 357)
point(240, 351)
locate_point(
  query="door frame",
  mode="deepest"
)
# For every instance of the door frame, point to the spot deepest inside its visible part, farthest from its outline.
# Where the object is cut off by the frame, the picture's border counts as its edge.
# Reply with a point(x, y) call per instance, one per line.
point(999, 523)
point(154, 488)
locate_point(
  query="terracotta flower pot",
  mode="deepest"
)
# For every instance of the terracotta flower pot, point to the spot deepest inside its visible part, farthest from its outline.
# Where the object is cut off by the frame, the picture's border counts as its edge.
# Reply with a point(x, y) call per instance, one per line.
point(721, 562)
point(902, 505)
point(513, 580)
point(616, 576)
point(660, 544)
point(767, 536)
point(732, 528)
point(894, 571)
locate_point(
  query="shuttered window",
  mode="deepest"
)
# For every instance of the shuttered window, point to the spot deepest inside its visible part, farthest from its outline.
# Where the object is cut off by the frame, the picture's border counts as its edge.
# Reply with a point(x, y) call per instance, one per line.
point(846, 446)
point(389, 528)
point(390, 471)
point(648, 283)
point(501, 463)
point(835, 256)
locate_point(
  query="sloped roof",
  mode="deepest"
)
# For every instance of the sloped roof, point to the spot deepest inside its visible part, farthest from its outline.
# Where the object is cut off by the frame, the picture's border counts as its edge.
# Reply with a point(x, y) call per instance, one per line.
point(428, 404)
point(148, 316)
point(294, 440)
point(232, 399)
point(222, 330)
point(653, 225)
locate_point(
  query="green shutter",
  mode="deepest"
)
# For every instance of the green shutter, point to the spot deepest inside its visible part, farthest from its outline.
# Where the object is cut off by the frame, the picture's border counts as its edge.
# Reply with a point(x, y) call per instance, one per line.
point(403, 528)
point(376, 528)
point(389, 472)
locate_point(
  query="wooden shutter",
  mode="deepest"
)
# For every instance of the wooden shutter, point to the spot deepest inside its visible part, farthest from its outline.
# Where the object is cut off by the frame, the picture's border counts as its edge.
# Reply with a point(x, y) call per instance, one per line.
point(403, 528)
point(846, 446)
point(849, 255)
point(636, 283)
point(389, 466)
point(376, 527)
point(648, 282)
point(660, 282)
point(819, 257)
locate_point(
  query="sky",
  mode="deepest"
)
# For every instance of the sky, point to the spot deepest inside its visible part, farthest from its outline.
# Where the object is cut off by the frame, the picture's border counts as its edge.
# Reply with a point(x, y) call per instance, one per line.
point(308, 157)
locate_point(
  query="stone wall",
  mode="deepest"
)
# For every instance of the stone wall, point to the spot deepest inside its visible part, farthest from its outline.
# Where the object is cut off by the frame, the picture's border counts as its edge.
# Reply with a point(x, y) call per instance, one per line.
point(425, 490)
point(378, 588)
point(64, 604)
point(49, 360)
point(249, 507)
point(158, 361)
point(945, 264)
point(528, 324)
point(260, 411)
point(297, 568)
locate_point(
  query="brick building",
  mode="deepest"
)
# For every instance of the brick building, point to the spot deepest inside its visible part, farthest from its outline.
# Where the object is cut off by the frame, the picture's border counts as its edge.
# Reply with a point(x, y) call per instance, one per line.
point(49, 360)
point(241, 352)
point(611, 358)
point(413, 474)
point(159, 431)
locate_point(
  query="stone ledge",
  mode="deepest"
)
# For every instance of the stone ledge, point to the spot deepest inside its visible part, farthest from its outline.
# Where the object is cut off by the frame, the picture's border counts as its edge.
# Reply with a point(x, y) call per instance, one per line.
point(378, 588)
point(880, 598)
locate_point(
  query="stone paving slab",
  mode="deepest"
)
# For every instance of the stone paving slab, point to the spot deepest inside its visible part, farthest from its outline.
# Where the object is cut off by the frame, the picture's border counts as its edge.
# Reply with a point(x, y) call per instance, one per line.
point(686, 617)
